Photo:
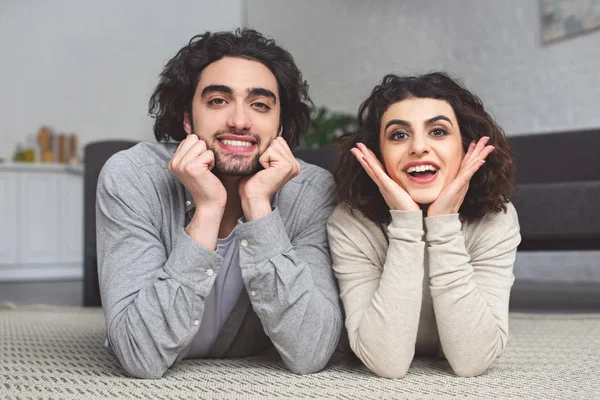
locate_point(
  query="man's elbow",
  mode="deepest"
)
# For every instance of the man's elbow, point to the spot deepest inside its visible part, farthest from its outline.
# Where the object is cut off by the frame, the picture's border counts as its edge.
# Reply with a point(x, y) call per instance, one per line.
point(309, 362)
point(306, 367)
point(143, 372)
point(138, 367)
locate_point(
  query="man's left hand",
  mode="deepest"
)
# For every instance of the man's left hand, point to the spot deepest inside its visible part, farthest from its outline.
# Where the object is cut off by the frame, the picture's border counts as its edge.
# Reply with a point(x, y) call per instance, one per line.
point(256, 191)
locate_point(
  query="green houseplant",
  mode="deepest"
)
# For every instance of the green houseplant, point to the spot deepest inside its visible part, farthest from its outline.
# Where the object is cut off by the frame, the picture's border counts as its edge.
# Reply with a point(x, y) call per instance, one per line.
point(317, 144)
point(326, 127)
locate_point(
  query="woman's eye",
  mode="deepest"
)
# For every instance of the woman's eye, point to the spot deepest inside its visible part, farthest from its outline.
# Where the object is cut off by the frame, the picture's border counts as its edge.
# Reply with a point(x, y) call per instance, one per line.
point(439, 132)
point(398, 136)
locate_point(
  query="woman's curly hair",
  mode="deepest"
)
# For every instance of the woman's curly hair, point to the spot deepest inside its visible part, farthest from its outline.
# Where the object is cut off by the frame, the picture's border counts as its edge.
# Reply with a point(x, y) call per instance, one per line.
point(179, 79)
point(491, 186)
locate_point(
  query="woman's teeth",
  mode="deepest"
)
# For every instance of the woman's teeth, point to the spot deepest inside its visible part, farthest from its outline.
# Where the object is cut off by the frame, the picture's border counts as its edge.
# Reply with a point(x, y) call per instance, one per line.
point(421, 168)
point(238, 143)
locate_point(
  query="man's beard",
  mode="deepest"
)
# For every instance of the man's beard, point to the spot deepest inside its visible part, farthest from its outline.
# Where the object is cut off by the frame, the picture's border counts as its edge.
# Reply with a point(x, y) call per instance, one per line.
point(235, 164)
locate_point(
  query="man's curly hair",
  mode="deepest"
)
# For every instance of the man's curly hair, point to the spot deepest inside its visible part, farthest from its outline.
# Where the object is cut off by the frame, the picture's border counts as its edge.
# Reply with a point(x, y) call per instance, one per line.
point(179, 79)
point(491, 186)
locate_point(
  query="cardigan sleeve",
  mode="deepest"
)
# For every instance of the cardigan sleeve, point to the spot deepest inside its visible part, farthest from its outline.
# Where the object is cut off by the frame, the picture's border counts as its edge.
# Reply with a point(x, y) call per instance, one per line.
point(470, 286)
point(382, 305)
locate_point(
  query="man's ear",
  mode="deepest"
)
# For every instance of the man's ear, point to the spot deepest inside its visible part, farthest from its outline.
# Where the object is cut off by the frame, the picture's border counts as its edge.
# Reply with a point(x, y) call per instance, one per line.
point(187, 126)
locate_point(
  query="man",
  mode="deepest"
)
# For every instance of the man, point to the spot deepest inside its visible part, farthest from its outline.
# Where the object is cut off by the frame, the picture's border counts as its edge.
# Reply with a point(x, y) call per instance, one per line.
point(217, 246)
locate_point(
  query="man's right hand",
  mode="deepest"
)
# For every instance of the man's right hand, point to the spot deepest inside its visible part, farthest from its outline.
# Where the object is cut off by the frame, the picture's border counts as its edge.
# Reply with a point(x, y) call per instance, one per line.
point(192, 165)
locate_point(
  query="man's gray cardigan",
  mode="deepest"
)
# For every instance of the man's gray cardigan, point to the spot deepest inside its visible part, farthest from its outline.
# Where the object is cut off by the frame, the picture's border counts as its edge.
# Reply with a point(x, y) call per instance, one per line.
point(154, 279)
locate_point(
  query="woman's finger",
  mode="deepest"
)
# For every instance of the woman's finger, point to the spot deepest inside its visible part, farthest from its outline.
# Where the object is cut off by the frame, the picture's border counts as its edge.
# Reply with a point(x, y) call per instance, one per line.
point(368, 151)
point(482, 155)
point(470, 170)
point(375, 165)
point(361, 158)
point(480, 146)
point(476, 164)
point(383, 179)
point(467, 156)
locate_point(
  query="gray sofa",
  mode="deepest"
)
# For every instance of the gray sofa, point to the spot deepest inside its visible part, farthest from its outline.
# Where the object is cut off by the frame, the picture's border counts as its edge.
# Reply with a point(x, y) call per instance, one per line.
point(557, 198)
point(558, 201)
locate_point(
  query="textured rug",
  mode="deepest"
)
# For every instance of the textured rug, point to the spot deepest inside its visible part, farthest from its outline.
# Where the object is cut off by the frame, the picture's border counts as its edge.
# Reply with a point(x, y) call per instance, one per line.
point(50, 353)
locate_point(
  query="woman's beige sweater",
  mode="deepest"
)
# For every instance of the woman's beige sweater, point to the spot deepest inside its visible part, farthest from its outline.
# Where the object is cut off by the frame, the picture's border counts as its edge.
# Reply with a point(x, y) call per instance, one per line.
point(425, 286)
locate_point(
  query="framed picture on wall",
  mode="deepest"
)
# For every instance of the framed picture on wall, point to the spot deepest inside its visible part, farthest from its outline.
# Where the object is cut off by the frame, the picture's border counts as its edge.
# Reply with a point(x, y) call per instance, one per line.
point(564, 18)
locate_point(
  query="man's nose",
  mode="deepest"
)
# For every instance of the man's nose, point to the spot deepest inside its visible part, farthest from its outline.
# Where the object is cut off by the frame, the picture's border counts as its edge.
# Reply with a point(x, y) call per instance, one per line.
point(239, 118)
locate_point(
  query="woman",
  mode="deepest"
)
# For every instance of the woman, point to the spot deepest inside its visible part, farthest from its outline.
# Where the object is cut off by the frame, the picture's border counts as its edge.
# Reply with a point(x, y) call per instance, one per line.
point(424, 238)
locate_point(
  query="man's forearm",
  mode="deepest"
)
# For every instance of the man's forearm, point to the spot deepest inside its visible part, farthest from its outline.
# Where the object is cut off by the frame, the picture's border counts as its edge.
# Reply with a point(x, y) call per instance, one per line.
point(204, 226)
point(297, 302)
point(255, 209)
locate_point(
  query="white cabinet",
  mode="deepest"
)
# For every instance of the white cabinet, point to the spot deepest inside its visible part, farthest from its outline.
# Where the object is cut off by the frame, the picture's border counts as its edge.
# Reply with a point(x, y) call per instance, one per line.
point(41, 222)
point(8, 218)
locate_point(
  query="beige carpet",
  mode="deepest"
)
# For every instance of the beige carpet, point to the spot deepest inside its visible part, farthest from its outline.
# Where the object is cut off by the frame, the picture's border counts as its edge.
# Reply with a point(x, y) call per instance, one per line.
point(58, 354)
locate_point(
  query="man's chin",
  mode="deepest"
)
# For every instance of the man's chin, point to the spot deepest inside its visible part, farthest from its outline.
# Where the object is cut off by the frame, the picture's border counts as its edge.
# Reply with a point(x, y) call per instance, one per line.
point(236, 167)
point(235, 172)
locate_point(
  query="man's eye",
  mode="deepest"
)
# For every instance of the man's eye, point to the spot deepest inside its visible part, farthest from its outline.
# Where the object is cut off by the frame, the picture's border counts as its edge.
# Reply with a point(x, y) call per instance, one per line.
point(439, 132)
point(216, 102)
point(398, 136)
point(261, 106)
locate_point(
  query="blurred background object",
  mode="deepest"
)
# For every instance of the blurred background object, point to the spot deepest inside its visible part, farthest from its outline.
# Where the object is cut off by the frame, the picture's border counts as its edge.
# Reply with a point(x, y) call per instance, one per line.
point(96, 83)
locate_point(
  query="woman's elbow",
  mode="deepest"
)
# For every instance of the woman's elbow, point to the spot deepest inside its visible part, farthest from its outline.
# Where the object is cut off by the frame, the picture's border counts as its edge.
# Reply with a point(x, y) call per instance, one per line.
point(392, 365)
point(469, 371)
point(391, 372)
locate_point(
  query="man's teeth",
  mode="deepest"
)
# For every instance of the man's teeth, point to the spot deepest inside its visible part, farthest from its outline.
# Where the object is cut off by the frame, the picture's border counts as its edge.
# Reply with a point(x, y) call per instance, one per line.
point(421, 168)
point(240, 143)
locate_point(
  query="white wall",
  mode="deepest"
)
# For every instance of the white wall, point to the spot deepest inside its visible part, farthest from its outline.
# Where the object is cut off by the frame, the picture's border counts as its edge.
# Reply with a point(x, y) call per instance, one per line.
point(344, 47)
point(89, 67)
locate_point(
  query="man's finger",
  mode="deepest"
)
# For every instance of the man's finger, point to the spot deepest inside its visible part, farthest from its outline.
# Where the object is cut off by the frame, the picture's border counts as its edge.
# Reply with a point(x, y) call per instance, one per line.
point(181, 150)
point(204, 160)
point(282, 148)
point(194, 151)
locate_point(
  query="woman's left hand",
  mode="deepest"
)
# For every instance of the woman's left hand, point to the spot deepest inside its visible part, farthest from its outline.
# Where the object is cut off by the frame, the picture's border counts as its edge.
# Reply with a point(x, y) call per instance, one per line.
point(451, 198)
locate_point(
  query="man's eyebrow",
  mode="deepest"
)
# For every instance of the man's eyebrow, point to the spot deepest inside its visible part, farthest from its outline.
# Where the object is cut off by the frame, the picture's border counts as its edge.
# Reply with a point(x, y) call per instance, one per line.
point(397, 122)
point(437, 118)
point(263, 92)
point(216, 88)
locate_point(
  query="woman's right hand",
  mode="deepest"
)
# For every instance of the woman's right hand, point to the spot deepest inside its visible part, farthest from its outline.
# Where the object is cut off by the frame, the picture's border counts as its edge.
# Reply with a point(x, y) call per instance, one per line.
point(395, 197)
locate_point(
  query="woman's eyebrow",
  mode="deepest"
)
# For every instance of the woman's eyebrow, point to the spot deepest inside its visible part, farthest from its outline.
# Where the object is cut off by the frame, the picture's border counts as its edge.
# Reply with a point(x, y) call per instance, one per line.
point(437, 118)
point(397, 122)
